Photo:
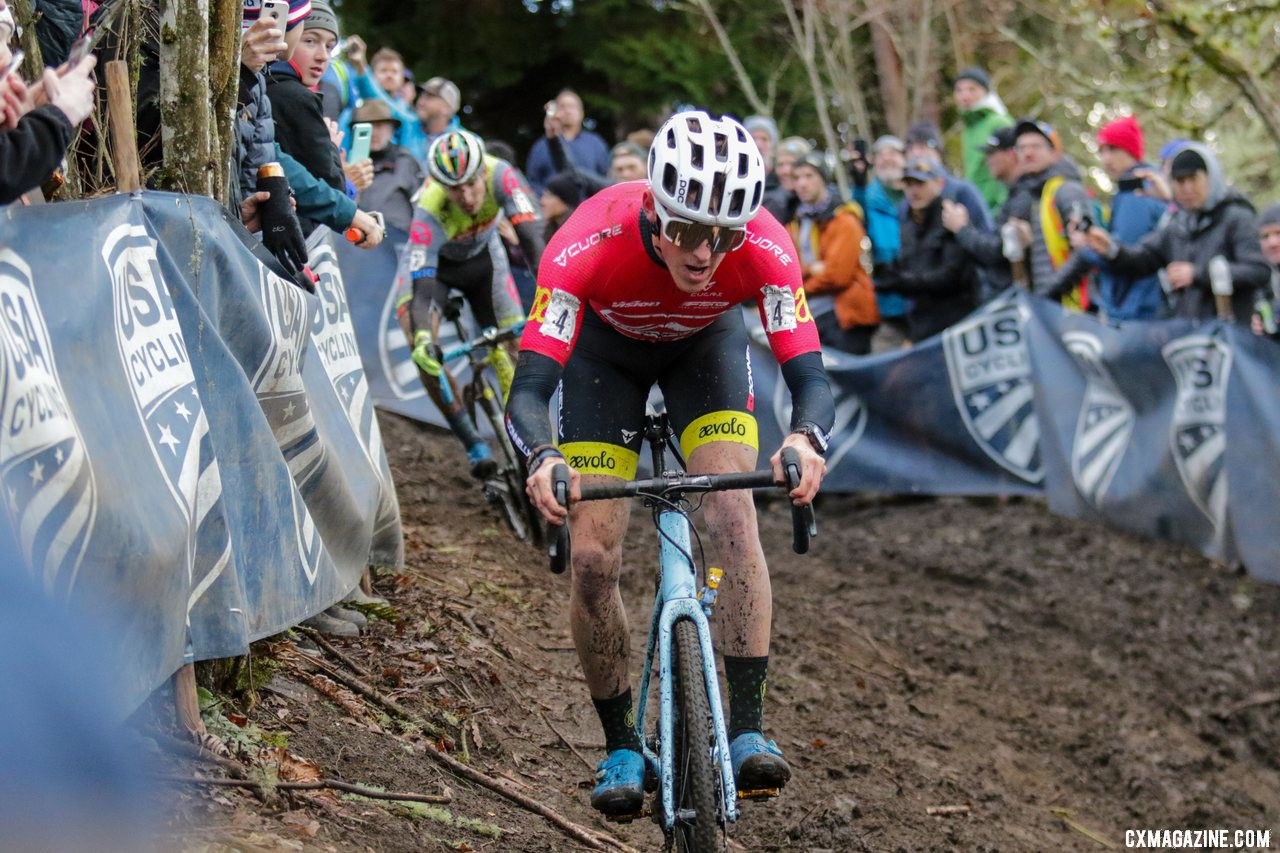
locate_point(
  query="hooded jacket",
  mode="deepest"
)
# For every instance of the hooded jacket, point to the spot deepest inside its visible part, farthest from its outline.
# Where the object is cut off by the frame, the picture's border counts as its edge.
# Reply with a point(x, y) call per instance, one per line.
point(981, 120)
point(1227, 226)
point(299, 124)
point(840, 242)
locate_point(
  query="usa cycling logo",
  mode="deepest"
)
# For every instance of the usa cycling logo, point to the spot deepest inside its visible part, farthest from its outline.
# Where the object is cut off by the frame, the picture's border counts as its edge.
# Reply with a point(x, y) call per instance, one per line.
point(154, 356)
point(989, 367)
point(334, 336)
point(1201, 366)
point(1105, 424)
point(45, 473)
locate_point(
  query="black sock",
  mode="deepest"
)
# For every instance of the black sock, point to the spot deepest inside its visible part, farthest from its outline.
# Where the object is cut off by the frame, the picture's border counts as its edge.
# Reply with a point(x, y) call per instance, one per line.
point(746, 680)
point(463, 427)
point(619, 722)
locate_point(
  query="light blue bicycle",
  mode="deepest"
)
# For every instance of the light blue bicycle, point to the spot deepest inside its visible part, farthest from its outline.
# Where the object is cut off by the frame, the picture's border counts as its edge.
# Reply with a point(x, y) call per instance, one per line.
point(696, 797)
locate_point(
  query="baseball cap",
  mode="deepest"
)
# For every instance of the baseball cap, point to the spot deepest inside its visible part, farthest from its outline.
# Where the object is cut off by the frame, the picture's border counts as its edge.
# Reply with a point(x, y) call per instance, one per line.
point(1004, 139)
point(1043, 128)
point(815, 160)
point(1186, 163)
point(888, 141)
point(924, 133)
point(444, 89)
point(923, 169)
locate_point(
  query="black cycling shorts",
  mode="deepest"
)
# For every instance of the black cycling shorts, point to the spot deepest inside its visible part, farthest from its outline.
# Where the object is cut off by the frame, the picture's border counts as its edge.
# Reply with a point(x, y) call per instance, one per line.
point(705, 381)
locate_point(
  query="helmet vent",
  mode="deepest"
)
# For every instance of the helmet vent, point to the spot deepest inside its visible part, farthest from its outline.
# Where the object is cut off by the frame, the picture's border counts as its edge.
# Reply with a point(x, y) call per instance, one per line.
point(744, 164)
point(695, 125)
point(756, 196)
point(693, 197)
point(735, 202)
point(669, 179)
point(717, 193)
point(722, 147)
point(696, 156)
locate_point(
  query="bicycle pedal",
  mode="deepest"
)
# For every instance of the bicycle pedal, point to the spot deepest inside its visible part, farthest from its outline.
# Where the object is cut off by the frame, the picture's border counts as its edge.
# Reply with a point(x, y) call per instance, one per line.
point(760, 794)
point(628, 818)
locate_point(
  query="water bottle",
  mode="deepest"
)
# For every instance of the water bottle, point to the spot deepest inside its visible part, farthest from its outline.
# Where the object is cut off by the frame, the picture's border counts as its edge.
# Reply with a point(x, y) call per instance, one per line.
point(1221, 285)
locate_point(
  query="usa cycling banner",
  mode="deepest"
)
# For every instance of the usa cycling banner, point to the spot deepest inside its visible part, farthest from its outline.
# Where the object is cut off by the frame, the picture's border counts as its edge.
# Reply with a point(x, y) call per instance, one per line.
point(1164, 429)
point(188, 440)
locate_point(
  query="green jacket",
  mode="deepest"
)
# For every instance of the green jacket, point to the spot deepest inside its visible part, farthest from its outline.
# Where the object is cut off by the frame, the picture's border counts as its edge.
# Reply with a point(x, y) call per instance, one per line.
point(985, 118)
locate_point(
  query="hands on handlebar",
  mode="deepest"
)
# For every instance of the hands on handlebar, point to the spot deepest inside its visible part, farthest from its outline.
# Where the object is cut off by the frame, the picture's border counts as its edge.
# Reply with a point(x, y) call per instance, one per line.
point(812, 469)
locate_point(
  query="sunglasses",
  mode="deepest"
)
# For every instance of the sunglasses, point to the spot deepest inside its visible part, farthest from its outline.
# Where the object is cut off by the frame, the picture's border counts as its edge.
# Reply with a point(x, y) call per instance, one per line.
point(688, 235)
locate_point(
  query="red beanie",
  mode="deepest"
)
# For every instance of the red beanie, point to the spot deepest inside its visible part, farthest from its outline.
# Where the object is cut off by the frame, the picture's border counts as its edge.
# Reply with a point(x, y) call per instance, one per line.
point(1123, 133)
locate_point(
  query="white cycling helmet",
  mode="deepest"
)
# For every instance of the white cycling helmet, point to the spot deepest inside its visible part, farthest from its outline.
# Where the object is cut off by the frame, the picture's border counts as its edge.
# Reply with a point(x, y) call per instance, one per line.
point(707, 170)
point(455, 158)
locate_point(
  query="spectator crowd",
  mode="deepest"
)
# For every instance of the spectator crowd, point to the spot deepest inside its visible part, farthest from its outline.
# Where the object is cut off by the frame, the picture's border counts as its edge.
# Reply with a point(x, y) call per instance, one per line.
point(916, 245)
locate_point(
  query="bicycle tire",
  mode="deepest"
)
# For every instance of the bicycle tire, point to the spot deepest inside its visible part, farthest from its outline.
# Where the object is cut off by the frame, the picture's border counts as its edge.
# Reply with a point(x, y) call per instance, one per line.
point(517, 511)
point(697, 775)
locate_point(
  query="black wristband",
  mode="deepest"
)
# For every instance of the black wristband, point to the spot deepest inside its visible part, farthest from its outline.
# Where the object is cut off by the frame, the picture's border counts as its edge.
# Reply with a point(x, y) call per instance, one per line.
point(541, 454)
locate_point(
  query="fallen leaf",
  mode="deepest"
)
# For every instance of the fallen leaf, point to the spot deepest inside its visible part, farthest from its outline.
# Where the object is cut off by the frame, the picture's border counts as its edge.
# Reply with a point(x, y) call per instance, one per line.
point(818, 743)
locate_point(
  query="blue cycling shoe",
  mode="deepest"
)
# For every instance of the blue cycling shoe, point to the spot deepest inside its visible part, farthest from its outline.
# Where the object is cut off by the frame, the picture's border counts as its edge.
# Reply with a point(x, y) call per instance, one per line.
point(483, 465)
point(757, 763)
point(619, 786)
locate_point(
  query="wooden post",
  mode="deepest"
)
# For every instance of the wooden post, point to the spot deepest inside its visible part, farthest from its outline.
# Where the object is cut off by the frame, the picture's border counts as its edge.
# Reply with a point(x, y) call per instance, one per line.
point(124, 138)
point(187, 702)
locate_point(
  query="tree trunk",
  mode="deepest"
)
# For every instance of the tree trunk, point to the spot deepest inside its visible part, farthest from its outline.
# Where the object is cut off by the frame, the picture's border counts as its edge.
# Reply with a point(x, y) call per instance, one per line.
point(224, 77)
point(186, 126)
point(24, 15)
point(893, 93)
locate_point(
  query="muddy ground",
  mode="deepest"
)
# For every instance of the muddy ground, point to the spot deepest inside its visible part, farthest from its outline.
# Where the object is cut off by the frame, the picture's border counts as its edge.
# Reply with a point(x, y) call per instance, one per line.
point(1055, 683)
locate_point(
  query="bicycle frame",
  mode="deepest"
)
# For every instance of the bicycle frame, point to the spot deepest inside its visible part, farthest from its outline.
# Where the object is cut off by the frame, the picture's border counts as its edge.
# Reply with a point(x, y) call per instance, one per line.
point(678, 598)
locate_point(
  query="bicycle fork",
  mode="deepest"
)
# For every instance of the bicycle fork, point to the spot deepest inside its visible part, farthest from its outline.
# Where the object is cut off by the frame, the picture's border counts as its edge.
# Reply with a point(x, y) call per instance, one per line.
point(678, 599)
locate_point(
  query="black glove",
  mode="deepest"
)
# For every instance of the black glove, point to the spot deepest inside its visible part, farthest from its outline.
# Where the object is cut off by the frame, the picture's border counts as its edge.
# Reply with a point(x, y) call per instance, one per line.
point(281, 231)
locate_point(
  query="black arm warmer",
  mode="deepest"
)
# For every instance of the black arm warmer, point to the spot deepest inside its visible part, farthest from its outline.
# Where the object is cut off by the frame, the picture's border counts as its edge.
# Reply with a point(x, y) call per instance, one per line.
point(528, 423)
point(532, 242)
point(811, 400)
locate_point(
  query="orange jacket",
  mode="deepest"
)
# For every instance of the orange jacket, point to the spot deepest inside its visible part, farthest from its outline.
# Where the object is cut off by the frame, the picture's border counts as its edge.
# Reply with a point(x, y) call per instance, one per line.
point(840, 242)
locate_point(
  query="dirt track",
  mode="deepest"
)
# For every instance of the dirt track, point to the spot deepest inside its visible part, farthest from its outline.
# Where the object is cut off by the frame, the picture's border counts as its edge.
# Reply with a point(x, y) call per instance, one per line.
point(1063, 682)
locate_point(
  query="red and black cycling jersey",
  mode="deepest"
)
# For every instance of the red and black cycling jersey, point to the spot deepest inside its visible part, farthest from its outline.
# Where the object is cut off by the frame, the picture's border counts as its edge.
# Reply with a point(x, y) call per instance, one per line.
point(602, 262)
point(600, 258)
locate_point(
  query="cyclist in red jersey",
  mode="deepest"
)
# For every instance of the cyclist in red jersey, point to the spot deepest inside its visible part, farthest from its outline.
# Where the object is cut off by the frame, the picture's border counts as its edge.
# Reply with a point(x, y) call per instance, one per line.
point(641, 286)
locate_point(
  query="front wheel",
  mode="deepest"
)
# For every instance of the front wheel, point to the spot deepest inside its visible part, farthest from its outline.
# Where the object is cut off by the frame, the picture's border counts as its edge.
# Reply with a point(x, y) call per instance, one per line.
point(698, 787)
point(508, 489)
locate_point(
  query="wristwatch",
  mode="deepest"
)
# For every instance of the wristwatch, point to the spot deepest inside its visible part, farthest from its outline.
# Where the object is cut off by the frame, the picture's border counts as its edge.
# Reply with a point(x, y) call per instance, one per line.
point(816, 436)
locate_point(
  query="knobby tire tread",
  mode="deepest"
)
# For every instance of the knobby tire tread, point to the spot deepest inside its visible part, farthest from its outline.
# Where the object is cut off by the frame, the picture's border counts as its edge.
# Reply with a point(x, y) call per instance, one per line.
point(514, 498)
point(697, 776)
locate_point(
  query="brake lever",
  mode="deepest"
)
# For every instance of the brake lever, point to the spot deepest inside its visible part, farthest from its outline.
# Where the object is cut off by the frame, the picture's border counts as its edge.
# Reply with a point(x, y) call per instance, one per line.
point(559, 549)
point(804, 523)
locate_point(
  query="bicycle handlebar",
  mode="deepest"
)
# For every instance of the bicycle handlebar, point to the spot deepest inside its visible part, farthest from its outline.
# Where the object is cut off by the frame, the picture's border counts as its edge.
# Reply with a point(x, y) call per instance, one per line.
point(487, 338)
point(803, 521)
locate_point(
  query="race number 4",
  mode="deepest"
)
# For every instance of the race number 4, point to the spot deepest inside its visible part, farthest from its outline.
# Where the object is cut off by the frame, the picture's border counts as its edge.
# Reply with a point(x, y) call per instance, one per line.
point(561, 316)
point(779, 309)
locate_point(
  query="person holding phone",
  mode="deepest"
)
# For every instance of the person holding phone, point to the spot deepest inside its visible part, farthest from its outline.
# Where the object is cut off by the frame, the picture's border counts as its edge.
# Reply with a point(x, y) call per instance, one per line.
point(37, 121)
point(263, 41)
point(1135, 213)
point(300, 127)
